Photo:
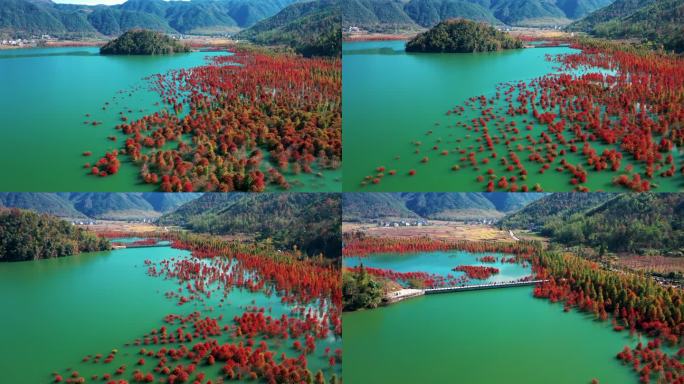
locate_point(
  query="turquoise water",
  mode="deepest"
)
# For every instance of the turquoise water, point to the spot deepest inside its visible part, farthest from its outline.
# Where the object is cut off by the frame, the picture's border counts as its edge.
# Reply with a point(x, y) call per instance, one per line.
point(45, 94)
point(481, 337)
point(441, 263)
point(59, 310)
point(393, 99)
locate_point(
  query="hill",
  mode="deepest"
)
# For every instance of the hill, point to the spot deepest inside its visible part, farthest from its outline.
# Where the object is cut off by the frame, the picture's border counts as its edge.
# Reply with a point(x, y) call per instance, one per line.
point(26, 235)
point(98, 205)
point(427, 13)
point(311, 28)
point(396, 15)
point(445, 206)
point(510, 202)
point(143, 42)
point(553, 206)
point(644, 223)
point(23, 18)
point(658, 21)
point(49, 203)
point(307, 221)
point(359, 206)
point(462, 36)
point(199, 207)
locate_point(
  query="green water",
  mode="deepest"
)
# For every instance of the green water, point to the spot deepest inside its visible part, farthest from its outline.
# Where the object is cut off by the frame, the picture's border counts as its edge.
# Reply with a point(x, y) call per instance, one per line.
point(44, 96)
point(58, 311)
point(392, 98)
point(489, 336)
point(441, 263)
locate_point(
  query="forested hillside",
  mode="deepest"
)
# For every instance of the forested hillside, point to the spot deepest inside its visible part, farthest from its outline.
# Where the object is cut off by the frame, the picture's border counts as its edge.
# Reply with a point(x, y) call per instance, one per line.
point(632, 222)
point(657, 21)
point(308, 221)
point(397, 15)
point(553, 206)
point(26, 235)
point(32, 17)
point(311, 28)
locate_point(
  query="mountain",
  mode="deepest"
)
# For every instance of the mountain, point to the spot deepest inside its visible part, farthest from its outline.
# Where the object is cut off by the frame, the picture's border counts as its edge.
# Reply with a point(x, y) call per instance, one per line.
point(659, 21)
point(559, 205)
point(26, 235)
point(49, 203)
point(427, 13)
point(446, 206)
point(376, 14)
point(358, 206)
point(308, 221)
point(200, 207)
point(388, 15)
point(98, 205)
point(31, 17)
point(312, 28)
point(644, 223)
point(510, 202)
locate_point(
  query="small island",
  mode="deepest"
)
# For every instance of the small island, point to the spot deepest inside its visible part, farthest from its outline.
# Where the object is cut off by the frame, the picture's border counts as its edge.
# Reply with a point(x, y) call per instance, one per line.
point(462, 36)
point(143, 42)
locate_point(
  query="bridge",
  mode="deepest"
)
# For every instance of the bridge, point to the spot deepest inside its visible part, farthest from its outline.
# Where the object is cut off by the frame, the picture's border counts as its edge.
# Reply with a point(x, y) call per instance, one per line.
point(124, 245)
point(477, 287)
point(407, 293)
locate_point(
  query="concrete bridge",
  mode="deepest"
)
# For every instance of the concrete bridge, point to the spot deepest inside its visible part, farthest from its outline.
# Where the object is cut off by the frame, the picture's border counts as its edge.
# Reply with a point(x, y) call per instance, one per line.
point(124, 245)
point(407, 293)
point(477, 287)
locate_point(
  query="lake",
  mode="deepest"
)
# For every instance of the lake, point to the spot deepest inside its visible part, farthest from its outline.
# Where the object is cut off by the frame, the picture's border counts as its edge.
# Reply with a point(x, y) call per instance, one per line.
point(59, 310)
point(392, 99)
point(488, 336)
point(44, 98)
point(441, 263)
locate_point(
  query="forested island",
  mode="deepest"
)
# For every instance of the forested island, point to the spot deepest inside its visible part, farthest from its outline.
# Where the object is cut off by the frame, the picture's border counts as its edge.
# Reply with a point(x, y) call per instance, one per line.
point(26, 235)
point(143, 42)
point(462, 36)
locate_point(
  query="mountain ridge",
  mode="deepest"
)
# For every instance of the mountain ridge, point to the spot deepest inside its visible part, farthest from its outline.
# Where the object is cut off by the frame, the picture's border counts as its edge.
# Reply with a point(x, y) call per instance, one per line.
point(387, 15)
point(361, 206)
point(97, 205)
point(29, 18)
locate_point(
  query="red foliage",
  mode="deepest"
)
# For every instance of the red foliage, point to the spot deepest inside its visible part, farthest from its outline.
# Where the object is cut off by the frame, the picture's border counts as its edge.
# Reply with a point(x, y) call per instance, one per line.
point(636, 112)
point(236, 107)
point(477, 271)
point(360, 247)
